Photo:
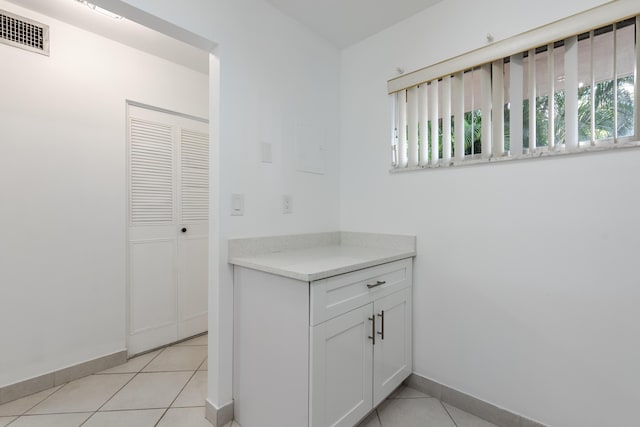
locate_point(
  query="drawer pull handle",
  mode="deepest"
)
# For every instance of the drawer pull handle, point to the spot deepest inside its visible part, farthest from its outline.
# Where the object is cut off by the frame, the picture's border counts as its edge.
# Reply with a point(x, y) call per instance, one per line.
point(375, 285)
point(373, 329)
point(381, 316)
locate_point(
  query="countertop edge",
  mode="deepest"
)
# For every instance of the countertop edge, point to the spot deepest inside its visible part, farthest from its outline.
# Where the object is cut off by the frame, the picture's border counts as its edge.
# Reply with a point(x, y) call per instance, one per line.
point(241, 262)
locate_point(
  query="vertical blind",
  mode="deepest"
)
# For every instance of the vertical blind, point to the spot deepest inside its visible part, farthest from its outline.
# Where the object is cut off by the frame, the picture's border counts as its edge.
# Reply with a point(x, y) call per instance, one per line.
point(565, 95)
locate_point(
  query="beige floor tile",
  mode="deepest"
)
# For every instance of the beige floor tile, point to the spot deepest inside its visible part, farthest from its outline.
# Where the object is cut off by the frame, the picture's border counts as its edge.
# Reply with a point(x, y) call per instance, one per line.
point(139, 418)
point(205, 365)
point(133, 365)
point(404, 392)
point(84, 395)
point(184, 417)
point(464, 419)
point(195, 393)
point(371, 421)
point(149, 390)
point(56, 420)
point(6, 420)
point(201, 340)
point(20, 406)
point(413, 413)
point(179, 358)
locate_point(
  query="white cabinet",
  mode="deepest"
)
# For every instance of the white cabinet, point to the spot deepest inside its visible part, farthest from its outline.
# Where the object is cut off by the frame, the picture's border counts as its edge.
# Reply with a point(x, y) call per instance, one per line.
point(341, 368)
point(320, 353)
point(392, 351)
point(358, 358)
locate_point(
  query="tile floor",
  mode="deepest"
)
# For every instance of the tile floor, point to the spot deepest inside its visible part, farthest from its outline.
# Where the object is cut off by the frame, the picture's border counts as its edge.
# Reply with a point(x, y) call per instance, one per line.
point(407, 407)
point(167, 388)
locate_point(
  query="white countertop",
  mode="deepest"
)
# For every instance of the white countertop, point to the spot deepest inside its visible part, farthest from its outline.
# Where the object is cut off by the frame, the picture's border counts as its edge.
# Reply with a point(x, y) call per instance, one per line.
point(320, 262)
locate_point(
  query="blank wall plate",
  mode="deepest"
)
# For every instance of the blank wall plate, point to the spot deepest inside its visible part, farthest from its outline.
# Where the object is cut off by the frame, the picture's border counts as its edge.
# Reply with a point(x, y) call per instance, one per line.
point(265, 152)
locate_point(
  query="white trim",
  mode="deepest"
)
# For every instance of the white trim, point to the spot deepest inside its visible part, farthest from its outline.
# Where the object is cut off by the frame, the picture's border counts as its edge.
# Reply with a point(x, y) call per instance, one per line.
point(164, 110)
point(599, 16)
point(558, 151)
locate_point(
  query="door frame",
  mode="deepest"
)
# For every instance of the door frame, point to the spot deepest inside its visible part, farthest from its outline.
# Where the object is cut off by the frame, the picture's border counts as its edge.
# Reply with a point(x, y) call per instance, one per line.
point(128, 104)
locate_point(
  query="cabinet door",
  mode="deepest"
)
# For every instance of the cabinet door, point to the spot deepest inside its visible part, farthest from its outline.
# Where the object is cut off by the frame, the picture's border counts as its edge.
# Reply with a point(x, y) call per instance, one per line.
point(392, 352)
point(341, 365)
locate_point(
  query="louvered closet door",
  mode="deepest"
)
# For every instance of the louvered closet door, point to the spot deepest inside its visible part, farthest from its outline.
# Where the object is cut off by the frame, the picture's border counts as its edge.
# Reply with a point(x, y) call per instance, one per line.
point(194, 243)
point(168, 228)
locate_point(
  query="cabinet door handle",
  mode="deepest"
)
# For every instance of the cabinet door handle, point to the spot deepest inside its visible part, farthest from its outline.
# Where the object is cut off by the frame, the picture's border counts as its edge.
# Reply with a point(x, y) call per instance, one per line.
point(381, 316)
point(375, 285)
point(373, 329)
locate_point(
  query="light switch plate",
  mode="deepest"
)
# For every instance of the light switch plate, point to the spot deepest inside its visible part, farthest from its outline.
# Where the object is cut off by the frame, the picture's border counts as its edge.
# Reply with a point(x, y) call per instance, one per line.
point(237, 204)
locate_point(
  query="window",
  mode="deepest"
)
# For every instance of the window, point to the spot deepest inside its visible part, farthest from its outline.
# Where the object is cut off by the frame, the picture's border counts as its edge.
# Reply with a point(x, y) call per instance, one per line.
point(578, 93)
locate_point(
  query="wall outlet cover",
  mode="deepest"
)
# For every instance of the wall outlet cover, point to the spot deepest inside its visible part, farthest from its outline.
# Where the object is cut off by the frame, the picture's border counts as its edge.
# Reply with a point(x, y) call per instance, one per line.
point(287, 204)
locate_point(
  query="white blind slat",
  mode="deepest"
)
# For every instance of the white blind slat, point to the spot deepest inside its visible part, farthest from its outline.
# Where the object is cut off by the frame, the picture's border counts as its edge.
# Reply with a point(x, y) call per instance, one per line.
point(485, 83)
point(458, 106)
point(497, 111)
point(423, 122)
point(532, 100)
point(446, 118)
point(433, 112)
point(551, 132)
point(394, 130)
point(402, 129)
point(571, 92)
point(516, 83)
point(412, 126)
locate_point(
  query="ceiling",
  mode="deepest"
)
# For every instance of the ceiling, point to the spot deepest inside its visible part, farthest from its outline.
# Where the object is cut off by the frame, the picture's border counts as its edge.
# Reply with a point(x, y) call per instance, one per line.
point(341, 22)
point(345, 22)
point(121, 30)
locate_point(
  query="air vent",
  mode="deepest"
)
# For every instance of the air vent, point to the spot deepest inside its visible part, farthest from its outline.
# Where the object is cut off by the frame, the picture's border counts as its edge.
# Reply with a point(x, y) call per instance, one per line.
point(24, 33)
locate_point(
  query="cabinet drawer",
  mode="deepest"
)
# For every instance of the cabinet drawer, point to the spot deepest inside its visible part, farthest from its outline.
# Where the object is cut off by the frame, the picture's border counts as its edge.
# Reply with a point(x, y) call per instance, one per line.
point(336, 295)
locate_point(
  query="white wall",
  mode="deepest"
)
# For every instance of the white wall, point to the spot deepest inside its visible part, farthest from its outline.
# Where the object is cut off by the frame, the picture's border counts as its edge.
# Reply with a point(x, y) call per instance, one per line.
point(62, 192)
point(526, 285)
point(278, 83)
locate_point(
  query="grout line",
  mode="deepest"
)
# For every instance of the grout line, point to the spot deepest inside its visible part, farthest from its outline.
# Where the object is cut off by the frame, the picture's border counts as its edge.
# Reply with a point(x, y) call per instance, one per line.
point(410, 397)
point(378, 415)
point(448, 413)
point(58, 413)
point(120, 389)
point(39, 402)
point(135, 374)
point(175, 398)
point(131, 379)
